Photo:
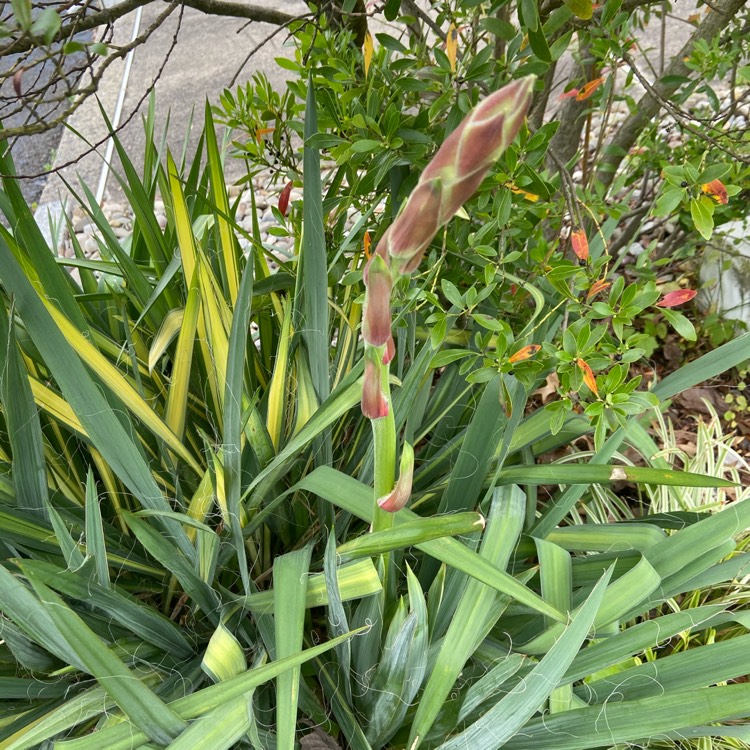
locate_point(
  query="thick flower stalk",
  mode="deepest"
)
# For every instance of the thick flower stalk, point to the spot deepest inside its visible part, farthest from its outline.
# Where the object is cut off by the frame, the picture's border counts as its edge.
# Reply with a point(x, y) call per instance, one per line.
point(448, 181)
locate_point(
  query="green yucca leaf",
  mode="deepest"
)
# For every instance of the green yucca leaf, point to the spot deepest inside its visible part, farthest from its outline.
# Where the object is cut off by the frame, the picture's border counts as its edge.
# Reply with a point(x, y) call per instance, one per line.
point(593, 474)
point(29, 241)
point(290, 588)
point(77, 710)
point(346, 396)
point(476, 613)
point(685, 670)
point(509, 715)
point(410, 534)
point(355, 580)
point(615, 649)
point(399, 674)
point(129, 612)
point(173, 560)
point(124, 736)
point(707, 366)
point(355, 497)
point(479, 445)
point(224, 657)
point(336, 614)
point(227, 242)
point(23, 425)
point(218, 730)
point(69, 548)
point(631, 588)
point(633, 721)
point(234, 404)
point(96, 548)
point(96, 415)
point(138, 702)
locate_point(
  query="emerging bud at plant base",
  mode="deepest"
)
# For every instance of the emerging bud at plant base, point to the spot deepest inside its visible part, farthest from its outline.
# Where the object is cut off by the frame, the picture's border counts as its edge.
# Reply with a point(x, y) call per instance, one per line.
point(374, 402)
point(401, 493)
point(456, 171)
point(376, 319)
point(390, 350)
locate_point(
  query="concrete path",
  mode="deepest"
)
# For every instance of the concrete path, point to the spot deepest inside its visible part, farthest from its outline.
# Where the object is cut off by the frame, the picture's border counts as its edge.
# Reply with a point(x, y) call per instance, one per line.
point(208, 53)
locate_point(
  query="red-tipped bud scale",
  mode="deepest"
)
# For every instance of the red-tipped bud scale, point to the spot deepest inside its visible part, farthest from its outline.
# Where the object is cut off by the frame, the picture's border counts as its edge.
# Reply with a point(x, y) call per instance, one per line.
point(376, 320)
point(401, 493)
point(390, 350)
point(374, 402)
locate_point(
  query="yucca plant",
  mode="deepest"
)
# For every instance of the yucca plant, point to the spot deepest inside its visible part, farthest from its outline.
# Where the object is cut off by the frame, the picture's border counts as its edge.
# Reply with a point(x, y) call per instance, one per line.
point(195, 555)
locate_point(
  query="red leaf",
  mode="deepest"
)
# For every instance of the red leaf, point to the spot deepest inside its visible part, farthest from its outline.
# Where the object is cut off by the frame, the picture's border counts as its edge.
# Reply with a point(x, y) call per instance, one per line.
point(284, 198)
point(367, 242)
point(569, 94)
point(679, 297)
point(525, 353)
point(580, 244)
point(717, 191)
point(588, 376)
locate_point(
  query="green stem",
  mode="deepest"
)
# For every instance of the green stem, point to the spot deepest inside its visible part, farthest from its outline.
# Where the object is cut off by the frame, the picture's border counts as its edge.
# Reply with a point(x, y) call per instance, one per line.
point(384, 441)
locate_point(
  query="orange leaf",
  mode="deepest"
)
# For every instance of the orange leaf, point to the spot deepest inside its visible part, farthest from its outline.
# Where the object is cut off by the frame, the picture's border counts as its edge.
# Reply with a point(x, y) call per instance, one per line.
point(260, 132)
point(367, 50)
point(580, 243)
point(717, 191)
point(451, 46)
point(526, 353)
point(520, 191)
point(588, 376)
point(679, 297)
point(596, 287)
point(569, 94)
point(367, 242)
point(589, 89)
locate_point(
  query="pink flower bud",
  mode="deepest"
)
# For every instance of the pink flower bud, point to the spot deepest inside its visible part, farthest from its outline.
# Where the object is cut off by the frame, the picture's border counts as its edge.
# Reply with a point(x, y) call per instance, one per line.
point(456, 170)
point(390, 350)
point(376, 319)
point(401, 493)
point(374, 402)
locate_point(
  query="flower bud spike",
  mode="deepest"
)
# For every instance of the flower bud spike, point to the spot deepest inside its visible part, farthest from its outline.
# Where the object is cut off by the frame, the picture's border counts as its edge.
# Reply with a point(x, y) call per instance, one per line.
point(376, 319)
point(401, 493)
point(455, 172)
